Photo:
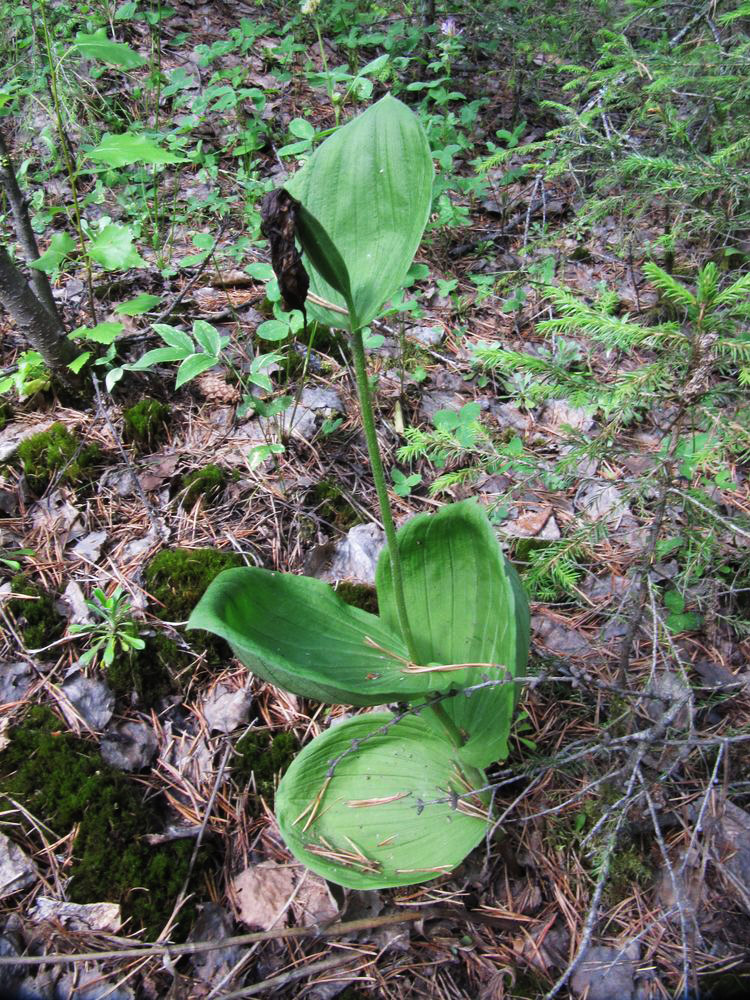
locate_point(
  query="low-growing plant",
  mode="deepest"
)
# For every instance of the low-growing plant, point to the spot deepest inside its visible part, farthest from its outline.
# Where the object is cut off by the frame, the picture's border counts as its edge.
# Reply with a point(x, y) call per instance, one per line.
point(114, 629)
point(55, 453)
point(385, 798)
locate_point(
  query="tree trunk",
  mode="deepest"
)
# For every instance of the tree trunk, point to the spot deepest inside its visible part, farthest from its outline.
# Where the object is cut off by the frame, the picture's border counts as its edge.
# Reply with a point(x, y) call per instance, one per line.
point(24, 232)
point(44, 332)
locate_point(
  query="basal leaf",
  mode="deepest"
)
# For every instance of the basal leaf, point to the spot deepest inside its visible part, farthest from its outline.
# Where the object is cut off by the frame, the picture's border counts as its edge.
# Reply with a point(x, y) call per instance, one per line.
point(369, 185)
point(394, 812)
point(465, 605)
point(128, 147)
point(59, 247)
point(99, 46)
point(297, 633)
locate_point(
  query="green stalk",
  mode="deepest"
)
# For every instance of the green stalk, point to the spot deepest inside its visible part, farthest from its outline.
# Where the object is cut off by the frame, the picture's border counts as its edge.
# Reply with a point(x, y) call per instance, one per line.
point(368, 423)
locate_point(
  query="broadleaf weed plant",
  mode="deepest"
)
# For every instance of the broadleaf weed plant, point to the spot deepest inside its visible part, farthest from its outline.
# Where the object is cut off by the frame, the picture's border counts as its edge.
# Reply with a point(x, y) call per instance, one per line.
point(114, 630)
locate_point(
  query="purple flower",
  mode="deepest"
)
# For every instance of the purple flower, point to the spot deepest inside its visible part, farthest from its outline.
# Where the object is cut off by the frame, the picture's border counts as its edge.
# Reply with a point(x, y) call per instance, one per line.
point(448, 26)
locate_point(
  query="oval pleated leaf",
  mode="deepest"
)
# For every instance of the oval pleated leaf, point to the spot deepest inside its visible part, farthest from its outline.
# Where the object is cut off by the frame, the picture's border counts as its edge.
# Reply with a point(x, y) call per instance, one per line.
point(465, 605)
point(390, 813)
point(369, 185)
point(297, 633)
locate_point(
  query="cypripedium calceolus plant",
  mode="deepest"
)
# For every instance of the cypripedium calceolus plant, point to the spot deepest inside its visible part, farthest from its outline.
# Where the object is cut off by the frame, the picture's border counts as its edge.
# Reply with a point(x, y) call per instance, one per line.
point(382, 799)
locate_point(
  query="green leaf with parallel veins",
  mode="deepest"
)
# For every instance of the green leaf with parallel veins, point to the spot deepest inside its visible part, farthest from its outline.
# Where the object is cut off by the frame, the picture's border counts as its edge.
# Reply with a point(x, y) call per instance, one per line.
point(369, 186)
point(193, 366)
point(465, 604)
point(376, 823)
point(127, 148)
point(98, 46)
point(297, 633)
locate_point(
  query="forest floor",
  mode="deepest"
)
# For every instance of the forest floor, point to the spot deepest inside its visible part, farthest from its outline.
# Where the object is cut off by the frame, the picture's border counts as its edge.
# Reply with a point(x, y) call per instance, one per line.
point(620, 863)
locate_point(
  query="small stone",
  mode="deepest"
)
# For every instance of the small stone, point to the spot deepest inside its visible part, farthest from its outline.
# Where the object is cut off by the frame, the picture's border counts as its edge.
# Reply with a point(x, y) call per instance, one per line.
point(605, 973)
point(353, 558)
point(77, 916)
point(128, 746)
point(428, 336)
point(92, 699)
point(16, 870)
point(559, 413)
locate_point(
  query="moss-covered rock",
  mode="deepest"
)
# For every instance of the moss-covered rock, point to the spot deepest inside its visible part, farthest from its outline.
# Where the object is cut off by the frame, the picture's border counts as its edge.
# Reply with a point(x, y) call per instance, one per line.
point(39, 622)
point(64, 782)
point(145, 424)
point(330, 503)
point(262, 760)
point(207, 482)
point(56, 453)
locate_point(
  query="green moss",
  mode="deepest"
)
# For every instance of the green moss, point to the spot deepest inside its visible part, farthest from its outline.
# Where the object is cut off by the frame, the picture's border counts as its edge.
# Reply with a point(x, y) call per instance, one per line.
point(56, 453)
point(207, 482)
point(38, 620)
point(627, 868)
point(177, 578)
point(361, 595)
point(64, 782)
point(6, 414)
point(149, 672)
point(264, 758)
point(145, 423)
point(331, 505)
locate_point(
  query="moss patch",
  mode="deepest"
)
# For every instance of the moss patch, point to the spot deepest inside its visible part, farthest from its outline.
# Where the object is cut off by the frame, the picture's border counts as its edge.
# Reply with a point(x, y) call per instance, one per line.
point(6, 414)
point(56, 453)
point(39, 621)
point(331, 504)
point(64, 781)
point(266, 758)
point(360, 595)
point(178, 578)
point(207, 482)
point(145, 424)
point(148, 672)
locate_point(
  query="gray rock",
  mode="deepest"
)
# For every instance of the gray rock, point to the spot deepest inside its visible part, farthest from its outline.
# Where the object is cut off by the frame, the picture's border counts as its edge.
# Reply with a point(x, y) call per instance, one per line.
point(92, 699)
point(9, 976)
point(601, 500)
point(351, 558)
point(13, 434)
point(16, 870)
point(428, 336)
point(91, 986)
point(128, 746)
point(731, 835)
point(15, 680)
point(559, 413)
point(607, 974)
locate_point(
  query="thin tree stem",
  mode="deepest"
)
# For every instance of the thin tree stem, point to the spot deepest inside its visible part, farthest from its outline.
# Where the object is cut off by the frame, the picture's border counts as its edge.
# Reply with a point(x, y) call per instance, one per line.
point(368, 423)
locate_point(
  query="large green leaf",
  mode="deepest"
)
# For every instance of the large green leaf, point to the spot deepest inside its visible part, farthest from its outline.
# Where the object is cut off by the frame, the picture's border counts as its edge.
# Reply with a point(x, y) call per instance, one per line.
point(297, 633)
point(465, 605)
point(376, 822)
point(99, 46)
point(369, 186)
point(130, 147)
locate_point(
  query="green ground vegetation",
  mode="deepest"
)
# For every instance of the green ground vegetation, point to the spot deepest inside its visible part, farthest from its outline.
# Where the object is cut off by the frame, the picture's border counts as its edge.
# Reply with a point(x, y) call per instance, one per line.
point(207, 482)
point(64, 782)
point(330, 504)
point(56, 454)
point(39, 622)
point(145, 424)
point(261, 760)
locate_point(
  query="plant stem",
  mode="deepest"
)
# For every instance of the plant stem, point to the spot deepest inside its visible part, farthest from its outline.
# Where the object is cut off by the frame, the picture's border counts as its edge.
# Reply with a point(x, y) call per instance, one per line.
point(448, 725)
point(368, 422)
